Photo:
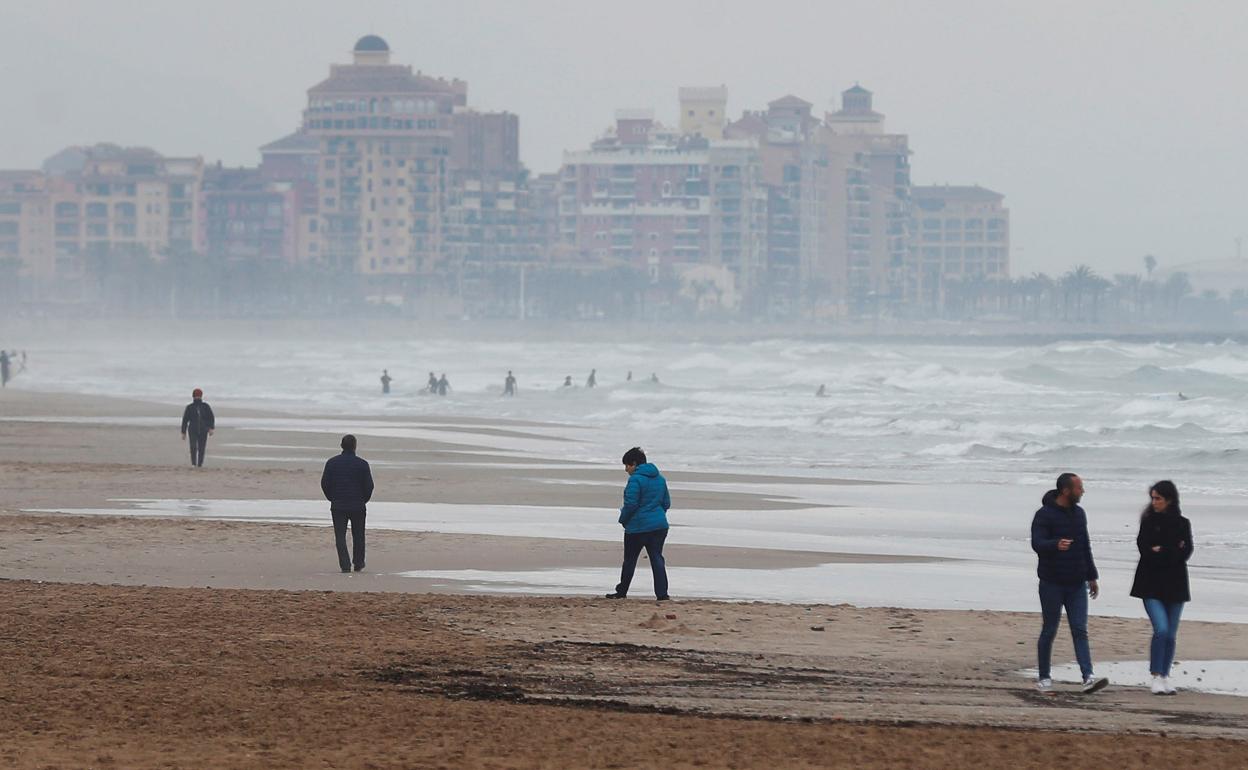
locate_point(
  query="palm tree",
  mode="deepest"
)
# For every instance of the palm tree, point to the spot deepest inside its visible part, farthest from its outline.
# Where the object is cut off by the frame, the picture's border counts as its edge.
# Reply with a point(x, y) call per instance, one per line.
point(1177, 287)
point(1127, 291)
point(1077, 283)
point(1097, 287)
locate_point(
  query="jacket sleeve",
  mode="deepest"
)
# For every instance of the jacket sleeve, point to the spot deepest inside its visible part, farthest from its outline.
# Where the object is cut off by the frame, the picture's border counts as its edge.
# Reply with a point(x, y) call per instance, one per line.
point(667, 498)
point(186, 417)
point(1087, 553)
point(367, 486)
point(325, 483)
point(1186, 551)
point(1145, 542)
point(211, 422)
point(632, 499)
point(1041, 542)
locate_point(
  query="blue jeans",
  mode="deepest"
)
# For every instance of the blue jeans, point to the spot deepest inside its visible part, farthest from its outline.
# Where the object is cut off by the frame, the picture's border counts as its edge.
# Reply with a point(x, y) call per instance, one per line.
point(1053, 597)
point(653, 543)
point(1165, 619)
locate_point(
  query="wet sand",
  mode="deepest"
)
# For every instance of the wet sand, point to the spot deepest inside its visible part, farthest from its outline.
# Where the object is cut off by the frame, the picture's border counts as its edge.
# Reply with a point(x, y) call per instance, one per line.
point(124, 657)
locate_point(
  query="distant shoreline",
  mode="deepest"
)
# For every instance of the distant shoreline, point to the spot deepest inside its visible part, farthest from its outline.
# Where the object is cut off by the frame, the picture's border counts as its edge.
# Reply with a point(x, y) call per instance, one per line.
point(29, 333)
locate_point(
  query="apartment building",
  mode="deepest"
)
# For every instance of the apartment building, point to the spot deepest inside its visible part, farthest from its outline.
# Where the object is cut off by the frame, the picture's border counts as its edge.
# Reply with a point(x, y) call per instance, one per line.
point(880, 268)
point(247, 218)
point(960, 231)
point(663, 201)
point(90, 205)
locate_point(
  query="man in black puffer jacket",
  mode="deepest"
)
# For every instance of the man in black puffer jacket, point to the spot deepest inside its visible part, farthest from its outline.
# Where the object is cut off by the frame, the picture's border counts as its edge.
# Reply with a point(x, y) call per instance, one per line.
point(1059, 536)
point(348, 485)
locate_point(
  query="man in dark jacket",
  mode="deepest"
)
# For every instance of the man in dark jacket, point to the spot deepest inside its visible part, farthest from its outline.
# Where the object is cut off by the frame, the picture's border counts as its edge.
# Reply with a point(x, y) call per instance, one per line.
point(198, 423)
point(348, 485)
point(1059, 536)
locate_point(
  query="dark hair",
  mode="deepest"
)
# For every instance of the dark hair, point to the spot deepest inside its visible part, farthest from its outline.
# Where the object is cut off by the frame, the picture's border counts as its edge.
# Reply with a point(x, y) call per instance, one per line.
point(1066, 481)
point(348, 442)
point(1169, 491)
point(634, 456)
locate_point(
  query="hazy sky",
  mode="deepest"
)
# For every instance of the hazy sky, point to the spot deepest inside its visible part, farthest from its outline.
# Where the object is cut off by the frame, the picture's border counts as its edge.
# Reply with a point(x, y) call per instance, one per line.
point(1114, 129)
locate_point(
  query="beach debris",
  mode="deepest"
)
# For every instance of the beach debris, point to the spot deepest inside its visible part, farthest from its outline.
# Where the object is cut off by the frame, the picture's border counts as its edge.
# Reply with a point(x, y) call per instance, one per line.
point(818, 628)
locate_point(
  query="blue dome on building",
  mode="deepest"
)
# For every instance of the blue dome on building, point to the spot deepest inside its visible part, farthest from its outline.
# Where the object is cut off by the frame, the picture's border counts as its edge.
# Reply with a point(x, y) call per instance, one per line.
point(371, 44)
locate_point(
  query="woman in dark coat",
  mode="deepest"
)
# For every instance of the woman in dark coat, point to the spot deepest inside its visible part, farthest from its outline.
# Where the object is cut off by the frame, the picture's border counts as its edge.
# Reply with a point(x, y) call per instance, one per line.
point(1165, 543)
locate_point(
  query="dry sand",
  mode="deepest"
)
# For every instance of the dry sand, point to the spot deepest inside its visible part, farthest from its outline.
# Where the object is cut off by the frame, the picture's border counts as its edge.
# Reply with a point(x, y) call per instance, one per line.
point(158, 670)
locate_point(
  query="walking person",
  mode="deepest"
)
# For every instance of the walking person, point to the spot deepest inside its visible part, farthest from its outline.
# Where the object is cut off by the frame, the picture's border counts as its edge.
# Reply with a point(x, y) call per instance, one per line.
point(509, 384)
point(386, 379)
point(432, 385)
point(592, 380)
point(1165, 544)
point(1068, 576)
point(5, 374)
point(198, 423)
point(644, 518)
point(348, 486)
point(443, 385)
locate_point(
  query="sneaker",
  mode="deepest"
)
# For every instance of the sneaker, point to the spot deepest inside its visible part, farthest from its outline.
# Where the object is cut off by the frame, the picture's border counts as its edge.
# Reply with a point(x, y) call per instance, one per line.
point(1159, 685)
point(663, 599)
point(1094, 683)
point(614, 595)
point(359, 568)
point(1169, 688)
point(1045, 686)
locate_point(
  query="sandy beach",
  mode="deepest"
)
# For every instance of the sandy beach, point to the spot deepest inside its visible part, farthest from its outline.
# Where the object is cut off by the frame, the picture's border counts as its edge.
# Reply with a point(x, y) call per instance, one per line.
point(157, 642)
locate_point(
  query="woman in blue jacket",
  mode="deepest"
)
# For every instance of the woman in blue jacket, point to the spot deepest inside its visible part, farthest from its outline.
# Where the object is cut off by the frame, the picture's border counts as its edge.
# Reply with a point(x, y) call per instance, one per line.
point(644, 517)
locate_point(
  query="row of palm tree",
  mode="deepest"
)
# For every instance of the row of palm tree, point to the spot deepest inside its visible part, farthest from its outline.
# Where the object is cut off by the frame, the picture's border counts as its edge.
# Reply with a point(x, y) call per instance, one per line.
point(1079, 295)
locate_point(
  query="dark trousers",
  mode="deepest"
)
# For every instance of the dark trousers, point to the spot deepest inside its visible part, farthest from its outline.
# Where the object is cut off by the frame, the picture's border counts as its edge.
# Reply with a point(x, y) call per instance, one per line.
point(198, 441)
point(1053, 597)
point(653, 543)
point(356, 518)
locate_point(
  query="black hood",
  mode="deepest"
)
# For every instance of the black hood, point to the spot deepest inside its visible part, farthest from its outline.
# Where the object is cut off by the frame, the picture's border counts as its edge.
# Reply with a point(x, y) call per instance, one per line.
point(1050, 498)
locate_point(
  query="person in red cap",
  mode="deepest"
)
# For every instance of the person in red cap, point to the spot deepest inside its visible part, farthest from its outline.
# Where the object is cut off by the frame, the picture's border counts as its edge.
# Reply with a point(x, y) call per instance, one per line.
point(198, 422)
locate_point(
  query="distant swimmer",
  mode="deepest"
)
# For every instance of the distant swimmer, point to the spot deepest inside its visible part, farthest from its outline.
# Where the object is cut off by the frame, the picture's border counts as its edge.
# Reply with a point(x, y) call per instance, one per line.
point(822, 392)
point(385, 381)
point(567, 381)
point(442, 385)
point(5, 373)
point(629, 378)
point(198, 423)
point(654, 378)
point(1183, 397)
point(347, 483)
point(593, 378)
point(432, 386)
point(509, 384)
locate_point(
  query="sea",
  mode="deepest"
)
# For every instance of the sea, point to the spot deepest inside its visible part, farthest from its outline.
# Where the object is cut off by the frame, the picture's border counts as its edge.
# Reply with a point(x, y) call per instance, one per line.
point(967, 433)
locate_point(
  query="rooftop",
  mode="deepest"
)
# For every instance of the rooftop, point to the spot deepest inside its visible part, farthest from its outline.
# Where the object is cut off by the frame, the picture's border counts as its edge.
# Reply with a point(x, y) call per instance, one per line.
point(956, 192)
point(789, 100)
point(387, 78)
point(297, 142)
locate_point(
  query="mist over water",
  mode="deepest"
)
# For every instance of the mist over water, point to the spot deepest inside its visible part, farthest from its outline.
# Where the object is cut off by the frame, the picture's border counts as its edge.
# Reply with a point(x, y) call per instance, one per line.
point(995, 413)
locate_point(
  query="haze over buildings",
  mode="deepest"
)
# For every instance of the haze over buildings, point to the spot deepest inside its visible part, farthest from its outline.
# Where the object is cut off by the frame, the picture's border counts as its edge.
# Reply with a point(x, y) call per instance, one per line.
point(792, 205)
point(393, 177)
point(1080, 113)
